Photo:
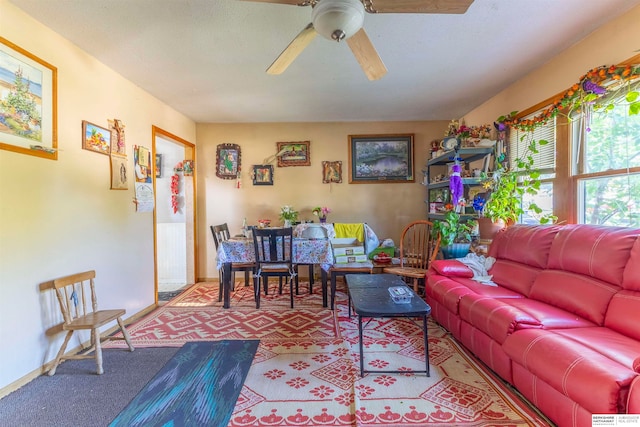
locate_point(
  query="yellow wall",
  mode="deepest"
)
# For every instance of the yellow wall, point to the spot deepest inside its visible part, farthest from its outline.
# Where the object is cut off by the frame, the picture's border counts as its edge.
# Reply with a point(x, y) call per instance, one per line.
point(387, 208)
point(60, 217)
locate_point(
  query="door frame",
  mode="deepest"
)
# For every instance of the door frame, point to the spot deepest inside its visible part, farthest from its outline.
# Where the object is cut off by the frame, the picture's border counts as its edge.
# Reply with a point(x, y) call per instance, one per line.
point(190, 154)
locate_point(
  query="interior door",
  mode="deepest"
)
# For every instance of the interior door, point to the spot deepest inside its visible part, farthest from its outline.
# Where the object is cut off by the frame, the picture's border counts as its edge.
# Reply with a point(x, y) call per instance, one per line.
point(174, 213)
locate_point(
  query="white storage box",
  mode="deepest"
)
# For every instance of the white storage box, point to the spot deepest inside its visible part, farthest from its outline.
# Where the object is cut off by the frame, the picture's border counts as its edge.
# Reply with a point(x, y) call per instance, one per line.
point(347, 259)
point(347, 246)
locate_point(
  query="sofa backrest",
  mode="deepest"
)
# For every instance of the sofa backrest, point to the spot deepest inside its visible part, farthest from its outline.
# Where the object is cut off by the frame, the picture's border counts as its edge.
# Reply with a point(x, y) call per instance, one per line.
point(585, 269)
point(623, 314)
point(521, 252)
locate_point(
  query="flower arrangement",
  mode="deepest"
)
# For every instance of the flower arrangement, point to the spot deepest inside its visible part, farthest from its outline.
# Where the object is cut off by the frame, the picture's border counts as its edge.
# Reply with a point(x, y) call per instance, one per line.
point(321, 212)
point(287, 213)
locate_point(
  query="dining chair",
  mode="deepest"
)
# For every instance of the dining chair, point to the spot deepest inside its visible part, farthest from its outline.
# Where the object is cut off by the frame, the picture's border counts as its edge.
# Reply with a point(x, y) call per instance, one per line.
point(221, 234)
point(417, 249)
point(356, 231)
point(274, 258)
point(79, 314)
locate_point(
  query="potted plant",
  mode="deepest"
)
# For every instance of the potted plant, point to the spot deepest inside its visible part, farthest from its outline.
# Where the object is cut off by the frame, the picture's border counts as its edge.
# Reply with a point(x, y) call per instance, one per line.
point(288, 215)
point(455, 236)
point(321, 213)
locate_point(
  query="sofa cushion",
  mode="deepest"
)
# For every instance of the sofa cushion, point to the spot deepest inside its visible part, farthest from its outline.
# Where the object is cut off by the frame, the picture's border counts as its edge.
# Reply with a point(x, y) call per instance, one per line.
point(448, 291)
point(581, 295)
point(549, 316)
point(589, 378)
point(513, 275)
point(526, 244)
point(451, 268)
point(631, 276)
point(607, 342)
point(623, 315)
point(596, 251)
point(496, 318)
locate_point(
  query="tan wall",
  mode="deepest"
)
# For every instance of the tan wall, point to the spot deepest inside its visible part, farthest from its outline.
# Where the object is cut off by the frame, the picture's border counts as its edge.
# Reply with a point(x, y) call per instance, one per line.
point(60, 217)
point(387, 208)
point(610, 44)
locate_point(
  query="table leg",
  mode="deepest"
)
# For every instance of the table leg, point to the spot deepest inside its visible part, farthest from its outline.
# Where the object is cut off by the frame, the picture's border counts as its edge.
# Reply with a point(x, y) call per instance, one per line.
point(361, 350)
point(226, 284)
point(426, 343)
point(324, 287)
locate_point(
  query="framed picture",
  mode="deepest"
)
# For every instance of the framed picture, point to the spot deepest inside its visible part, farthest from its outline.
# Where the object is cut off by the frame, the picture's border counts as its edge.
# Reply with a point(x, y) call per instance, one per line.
point(187, 167)
point(331, 172)
point(119, 173)
point(96, 138)
point(262, 174)
point(158, 165)
point(381, 159)
point(227, 161)
point(294, 154)
point(29, 83)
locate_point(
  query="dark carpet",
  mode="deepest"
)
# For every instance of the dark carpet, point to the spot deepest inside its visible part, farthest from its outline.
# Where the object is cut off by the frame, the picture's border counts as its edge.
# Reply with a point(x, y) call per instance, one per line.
point(199, 386)
point(76, 396)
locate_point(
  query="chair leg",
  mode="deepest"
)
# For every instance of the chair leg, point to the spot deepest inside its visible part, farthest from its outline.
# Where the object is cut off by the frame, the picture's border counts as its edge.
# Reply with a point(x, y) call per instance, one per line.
point(96, 338)
point(291, 290)
point(256, 290)
point(220, 285)
point(311, 278)
point(280, 285)
point(246, 278)
point(58, 358)
point(125, 334)
point(297, 270)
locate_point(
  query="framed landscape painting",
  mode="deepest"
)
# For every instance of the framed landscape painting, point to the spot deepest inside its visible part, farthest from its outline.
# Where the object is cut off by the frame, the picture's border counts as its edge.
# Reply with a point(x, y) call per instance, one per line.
point(381, 159)
point(28, 103)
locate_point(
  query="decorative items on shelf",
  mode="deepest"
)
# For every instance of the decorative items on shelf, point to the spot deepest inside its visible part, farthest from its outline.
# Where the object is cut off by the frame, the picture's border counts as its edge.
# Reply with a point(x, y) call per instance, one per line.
point(321, 213)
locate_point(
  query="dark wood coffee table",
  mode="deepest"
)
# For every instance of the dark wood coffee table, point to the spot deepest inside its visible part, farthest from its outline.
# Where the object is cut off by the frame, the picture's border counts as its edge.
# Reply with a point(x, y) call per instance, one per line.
point(369, 295)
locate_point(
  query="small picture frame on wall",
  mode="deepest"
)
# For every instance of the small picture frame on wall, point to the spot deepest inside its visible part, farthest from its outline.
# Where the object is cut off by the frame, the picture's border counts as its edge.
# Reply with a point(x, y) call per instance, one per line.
point(294, 154)
point(262, 174)
point(331, 172)
point(158, 165)
point(227, 161)
point(96, 138)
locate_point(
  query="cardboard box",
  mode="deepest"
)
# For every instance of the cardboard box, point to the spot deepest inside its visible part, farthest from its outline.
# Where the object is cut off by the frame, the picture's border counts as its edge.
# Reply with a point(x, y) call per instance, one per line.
point(350, 259)
point(347, 247)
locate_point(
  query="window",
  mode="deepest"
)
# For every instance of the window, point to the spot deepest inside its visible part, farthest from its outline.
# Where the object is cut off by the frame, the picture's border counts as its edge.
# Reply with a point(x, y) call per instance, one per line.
point(544, 162)
point(606, 164)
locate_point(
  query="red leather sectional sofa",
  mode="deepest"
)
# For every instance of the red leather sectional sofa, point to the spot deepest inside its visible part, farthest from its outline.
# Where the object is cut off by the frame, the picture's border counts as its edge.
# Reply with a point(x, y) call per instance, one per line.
point(563, 324)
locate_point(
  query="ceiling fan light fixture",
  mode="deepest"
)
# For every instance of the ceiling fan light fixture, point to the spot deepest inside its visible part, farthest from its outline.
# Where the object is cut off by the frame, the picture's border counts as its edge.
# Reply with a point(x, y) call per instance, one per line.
point(338, 19)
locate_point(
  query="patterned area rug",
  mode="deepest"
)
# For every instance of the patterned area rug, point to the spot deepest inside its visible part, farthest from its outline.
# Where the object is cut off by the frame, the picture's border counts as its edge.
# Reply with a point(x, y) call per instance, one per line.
point(198, 386)
point(305, 372)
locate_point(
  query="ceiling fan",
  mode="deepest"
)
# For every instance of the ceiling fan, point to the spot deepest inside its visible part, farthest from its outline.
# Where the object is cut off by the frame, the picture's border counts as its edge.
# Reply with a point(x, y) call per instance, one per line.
point(342, 20)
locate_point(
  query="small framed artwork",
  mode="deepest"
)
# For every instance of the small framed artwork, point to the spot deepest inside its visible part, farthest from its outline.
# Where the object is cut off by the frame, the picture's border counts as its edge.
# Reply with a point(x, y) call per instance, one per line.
point(294, 154)
point(119, 173)
point(227, 161)
point(158, 165)
point(96, 138)
point(331, 172)
point(381, 159)
point(262, 174)
point(29, 103)
point(187, 167)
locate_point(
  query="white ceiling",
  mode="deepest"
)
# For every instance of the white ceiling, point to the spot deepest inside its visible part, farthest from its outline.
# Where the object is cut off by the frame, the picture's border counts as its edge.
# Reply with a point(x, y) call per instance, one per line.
point(207, 58)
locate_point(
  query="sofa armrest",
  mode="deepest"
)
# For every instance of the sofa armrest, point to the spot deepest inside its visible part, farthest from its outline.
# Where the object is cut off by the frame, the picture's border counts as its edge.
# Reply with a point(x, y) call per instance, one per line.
point(451, 268)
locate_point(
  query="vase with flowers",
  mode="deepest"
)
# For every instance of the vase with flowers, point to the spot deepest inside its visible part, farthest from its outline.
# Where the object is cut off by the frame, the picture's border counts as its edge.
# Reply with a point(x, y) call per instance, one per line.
point(288, 215)
point(321, 213)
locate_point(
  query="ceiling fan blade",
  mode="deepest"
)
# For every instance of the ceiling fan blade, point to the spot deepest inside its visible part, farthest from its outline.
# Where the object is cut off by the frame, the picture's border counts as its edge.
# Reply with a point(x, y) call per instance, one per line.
point(418, 6)
point(367, 55)
point(291, 52)
point(291, 2)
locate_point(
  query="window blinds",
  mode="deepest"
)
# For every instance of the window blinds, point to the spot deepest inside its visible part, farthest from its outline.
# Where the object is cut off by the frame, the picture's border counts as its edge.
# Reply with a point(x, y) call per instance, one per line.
point(545, 159)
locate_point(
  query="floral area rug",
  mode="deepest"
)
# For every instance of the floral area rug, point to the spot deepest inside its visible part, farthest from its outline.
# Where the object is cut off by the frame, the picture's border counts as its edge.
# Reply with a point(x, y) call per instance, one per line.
point(306, 369)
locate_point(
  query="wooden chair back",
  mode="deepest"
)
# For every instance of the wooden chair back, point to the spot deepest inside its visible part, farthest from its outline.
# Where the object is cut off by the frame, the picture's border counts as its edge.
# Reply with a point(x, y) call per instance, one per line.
point(78, 303)
point(417, 246)
point(273, 246)
point(220, 233)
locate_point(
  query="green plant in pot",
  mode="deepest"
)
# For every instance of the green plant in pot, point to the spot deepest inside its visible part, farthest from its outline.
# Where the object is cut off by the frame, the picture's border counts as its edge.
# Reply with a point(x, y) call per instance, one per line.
point(455, 236)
